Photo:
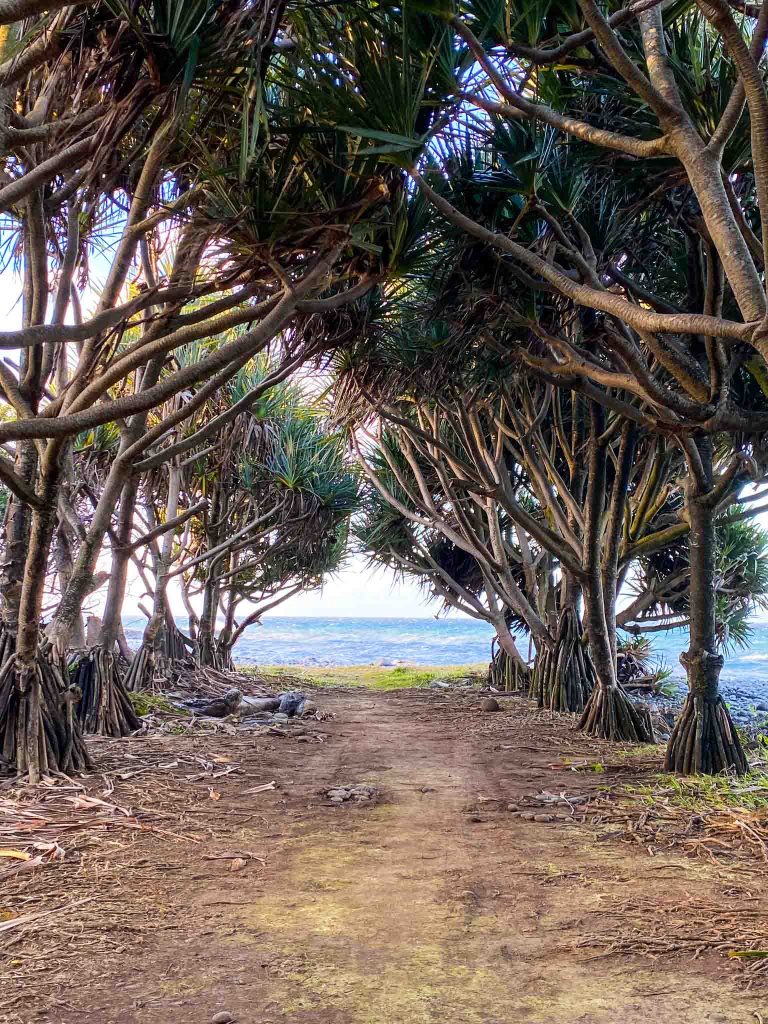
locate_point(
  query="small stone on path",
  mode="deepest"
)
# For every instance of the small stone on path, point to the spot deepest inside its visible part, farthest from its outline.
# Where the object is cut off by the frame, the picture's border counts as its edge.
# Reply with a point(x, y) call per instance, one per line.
point(222, 1017)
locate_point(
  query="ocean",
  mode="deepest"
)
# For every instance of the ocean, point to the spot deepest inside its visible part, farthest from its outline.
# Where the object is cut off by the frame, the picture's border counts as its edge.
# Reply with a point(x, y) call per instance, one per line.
point(284, 640)
point(314, 640)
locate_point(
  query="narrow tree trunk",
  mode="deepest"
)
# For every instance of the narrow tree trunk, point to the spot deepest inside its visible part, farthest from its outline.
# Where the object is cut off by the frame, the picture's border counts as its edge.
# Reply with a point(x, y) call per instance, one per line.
point(508, 669)
point(151, 663)
point(121, 556)
point(704, 740)
point(610, 714)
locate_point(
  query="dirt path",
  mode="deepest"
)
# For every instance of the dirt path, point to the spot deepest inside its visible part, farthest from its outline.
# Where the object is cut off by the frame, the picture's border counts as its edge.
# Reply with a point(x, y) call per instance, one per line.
point(436, 905)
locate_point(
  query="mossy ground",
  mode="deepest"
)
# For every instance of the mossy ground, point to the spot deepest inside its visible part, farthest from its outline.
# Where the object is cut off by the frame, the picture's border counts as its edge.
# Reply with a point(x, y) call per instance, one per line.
point(372, 677)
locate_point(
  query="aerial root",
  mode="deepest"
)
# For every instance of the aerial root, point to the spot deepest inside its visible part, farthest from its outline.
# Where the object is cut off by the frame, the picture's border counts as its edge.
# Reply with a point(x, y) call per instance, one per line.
point(104, 708)
point(704, 740)
point(611, 715)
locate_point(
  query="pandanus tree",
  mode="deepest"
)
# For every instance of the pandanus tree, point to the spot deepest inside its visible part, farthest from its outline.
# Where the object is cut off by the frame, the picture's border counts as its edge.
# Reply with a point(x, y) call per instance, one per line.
point(175, 130)
point(668, 100)
point(278, 522)
point(277, 497)
point(460, 547)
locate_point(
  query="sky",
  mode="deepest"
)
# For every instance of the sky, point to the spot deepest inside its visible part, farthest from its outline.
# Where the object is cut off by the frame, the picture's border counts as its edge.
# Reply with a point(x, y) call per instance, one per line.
point(359, 592)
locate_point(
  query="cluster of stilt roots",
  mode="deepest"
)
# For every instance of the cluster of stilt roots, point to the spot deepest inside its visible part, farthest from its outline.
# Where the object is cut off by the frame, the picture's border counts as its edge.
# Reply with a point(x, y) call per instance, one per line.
point(39, 728)
point(104, 707)
point(611, 715)
point(704, 740)
point(506, 674)
point(564, 677)
point(212, 653)
point(148, 670)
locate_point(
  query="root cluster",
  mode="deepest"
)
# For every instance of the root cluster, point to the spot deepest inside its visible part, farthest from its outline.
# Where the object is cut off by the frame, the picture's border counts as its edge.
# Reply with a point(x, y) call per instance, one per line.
point(704, 740)
point(564, 676)
point(611, 715)
point(506, 674)
point(39, 728)
point(104, 707)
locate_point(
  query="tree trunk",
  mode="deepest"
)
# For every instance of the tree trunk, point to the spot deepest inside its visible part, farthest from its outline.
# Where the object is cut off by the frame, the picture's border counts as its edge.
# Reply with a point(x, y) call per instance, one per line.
point(704, 740)
point(104, 707)
point(121, 556)
point(563, 674)
point(507, 670)
point(38, 726)
point(151, 664)
point(610, 714)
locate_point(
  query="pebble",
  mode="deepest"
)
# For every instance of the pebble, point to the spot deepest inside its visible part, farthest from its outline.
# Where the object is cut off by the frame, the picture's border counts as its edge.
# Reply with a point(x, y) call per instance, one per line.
point(543, 817)
point(222, 1017)
point(280, 716)
point(489, 704)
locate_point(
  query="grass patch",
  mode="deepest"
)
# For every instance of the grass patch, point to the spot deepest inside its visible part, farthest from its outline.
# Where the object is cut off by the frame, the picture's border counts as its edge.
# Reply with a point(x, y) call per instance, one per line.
point(371, 677)
point(709, 792)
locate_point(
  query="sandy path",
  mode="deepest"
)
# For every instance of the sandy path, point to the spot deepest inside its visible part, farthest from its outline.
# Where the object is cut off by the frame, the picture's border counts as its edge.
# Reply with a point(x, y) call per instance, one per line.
point(437, 905)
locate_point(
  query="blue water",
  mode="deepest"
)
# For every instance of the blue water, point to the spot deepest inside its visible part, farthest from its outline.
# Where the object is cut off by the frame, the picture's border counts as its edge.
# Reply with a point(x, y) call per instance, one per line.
point(283, 640)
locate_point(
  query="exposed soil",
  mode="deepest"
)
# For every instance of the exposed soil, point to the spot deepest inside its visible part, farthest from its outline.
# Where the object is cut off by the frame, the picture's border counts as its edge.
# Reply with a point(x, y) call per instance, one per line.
point(432, 903)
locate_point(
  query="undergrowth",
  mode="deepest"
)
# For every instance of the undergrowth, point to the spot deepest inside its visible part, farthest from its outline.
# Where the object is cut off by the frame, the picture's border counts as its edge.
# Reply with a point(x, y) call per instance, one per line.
point(709, 792)
point(145, 703)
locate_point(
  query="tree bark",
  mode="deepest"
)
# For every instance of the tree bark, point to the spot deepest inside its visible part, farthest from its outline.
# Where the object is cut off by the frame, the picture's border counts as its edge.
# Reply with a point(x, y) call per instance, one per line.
point(704, 740)
point(610, 714)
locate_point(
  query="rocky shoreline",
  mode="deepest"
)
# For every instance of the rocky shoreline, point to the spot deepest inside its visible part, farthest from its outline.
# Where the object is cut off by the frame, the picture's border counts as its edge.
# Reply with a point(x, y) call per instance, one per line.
point(747, 703)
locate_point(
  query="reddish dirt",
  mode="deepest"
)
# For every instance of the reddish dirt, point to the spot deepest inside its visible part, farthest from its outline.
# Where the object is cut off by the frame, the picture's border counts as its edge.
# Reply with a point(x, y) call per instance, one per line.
point(438, 904)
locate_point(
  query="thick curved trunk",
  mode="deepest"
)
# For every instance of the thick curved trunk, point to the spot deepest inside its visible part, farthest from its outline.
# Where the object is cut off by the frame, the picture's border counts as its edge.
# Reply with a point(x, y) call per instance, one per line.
point(609, 714)
point(39, 731)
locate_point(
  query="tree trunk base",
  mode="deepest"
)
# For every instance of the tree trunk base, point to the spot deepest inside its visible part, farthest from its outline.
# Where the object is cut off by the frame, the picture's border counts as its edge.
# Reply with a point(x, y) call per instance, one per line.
point(149, 670)
point(104, 708)
point(39, 729)
point(704, 740)
point(564, 677)
point(215, 654)
point(611, 715)
point(505, 674)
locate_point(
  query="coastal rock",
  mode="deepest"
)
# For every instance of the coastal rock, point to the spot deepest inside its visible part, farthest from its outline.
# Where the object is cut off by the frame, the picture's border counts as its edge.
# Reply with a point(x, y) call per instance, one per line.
point(489, 704)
